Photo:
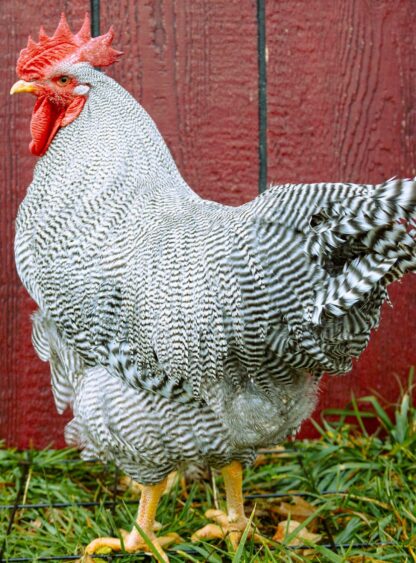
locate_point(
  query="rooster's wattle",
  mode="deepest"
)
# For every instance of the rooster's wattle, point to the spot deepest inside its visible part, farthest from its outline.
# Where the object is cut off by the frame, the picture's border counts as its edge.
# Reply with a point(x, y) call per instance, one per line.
point(179, 329)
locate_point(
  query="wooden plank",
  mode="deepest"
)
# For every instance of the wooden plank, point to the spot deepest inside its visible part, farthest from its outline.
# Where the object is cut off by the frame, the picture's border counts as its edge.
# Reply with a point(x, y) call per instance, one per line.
point(341, 107)
point(27, 412)
point(193, 66)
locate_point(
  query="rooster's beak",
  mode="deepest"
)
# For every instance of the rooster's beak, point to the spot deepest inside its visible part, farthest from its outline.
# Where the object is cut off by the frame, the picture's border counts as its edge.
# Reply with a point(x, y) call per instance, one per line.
point(23, 86)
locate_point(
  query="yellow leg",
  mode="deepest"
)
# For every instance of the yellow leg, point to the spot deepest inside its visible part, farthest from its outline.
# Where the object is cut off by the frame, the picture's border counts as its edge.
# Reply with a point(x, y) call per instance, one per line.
point(234, 522)
point(145, 520)
point(233, 482)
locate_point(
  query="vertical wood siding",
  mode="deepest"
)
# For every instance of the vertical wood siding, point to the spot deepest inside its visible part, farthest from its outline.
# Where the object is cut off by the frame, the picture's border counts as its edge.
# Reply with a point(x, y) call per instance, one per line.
point(341, 107)
point(27, 412)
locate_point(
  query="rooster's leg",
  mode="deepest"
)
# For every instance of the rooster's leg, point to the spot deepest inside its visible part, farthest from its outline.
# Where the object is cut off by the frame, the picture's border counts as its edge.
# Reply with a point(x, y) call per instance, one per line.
point(133, 541)
point(235, 521)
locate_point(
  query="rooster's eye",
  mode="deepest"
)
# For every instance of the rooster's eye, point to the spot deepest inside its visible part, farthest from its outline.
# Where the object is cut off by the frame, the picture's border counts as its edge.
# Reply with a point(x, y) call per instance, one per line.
point(63, 80)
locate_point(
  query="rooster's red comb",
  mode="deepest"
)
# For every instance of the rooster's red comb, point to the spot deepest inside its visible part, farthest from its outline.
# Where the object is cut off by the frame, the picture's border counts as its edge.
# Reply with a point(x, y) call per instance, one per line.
point(80, 47)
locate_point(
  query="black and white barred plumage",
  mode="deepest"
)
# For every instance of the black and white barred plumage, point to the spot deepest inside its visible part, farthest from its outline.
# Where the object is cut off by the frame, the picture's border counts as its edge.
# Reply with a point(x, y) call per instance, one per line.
point(179, 329)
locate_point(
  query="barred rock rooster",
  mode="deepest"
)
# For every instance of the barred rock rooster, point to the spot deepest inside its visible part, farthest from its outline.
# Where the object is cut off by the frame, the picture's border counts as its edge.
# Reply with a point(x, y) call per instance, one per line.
point(180, 330)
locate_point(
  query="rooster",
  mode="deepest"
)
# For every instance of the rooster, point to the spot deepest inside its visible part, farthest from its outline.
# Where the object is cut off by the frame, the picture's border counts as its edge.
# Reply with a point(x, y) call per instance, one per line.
point(177, 329)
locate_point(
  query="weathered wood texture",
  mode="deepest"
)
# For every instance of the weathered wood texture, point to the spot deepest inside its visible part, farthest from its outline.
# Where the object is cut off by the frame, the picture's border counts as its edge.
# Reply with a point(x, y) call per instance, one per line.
point(27, 412)
point(193, 66)
point(341, 106)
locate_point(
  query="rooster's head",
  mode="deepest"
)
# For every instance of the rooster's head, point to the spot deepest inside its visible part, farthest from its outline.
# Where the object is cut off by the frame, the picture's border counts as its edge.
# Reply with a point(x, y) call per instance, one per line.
point(44, 69)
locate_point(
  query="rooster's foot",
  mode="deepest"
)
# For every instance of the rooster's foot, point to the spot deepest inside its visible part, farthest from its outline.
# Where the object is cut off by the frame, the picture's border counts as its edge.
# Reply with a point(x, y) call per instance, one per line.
point(145, 521)
point(225, 527)
point(132, 543)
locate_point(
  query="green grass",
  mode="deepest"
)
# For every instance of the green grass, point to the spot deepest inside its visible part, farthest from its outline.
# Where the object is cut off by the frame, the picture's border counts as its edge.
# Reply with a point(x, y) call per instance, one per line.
point(373, 498)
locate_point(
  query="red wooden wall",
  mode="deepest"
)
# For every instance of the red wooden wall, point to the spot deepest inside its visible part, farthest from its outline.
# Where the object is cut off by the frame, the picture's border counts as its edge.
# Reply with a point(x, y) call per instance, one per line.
point(341, 107)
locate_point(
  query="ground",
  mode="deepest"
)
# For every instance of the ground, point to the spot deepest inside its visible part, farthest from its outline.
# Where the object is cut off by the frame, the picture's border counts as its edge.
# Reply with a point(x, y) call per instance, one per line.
point(348, 496)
